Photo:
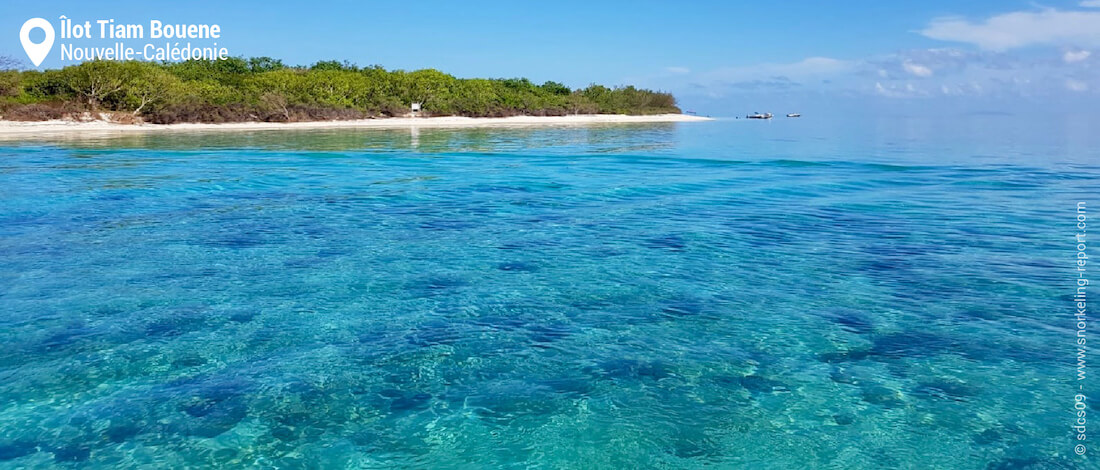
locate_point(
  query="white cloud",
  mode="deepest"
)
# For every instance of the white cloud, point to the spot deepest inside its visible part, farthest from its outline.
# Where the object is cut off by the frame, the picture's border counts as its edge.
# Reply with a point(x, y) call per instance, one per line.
point(771, 76)
point(812, 67)
point(1020, 29)
point(961, 73)
point(961, 89)
point(917, 69)
point(915, 74)
point(678, 70)
point(1076, 56)
point(899, 91)
point(1090, 3)
point(881, 89)
point(921, 63)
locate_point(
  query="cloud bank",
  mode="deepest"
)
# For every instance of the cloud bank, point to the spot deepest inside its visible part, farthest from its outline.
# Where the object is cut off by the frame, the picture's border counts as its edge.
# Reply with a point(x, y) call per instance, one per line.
point(1020, 29)
point(1037, 56)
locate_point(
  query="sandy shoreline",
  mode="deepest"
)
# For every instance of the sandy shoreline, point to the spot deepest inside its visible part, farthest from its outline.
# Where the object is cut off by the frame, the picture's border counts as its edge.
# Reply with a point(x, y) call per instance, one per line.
point(18, 129)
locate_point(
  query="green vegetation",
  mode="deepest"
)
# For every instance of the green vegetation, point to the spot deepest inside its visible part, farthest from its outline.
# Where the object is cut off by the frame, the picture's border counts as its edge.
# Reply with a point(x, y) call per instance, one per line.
point(264, 89)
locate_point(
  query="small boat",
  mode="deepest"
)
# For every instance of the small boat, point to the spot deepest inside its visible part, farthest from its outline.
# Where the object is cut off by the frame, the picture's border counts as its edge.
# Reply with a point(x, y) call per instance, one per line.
point(794, 115)
point(759, 116)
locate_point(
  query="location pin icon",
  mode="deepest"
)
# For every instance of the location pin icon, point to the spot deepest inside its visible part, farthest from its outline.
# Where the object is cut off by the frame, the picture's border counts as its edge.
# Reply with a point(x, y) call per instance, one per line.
point(36, 52)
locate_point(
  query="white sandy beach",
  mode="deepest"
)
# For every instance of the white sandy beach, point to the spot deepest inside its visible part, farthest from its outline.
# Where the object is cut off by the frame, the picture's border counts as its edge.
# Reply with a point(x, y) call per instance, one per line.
point(19, 129)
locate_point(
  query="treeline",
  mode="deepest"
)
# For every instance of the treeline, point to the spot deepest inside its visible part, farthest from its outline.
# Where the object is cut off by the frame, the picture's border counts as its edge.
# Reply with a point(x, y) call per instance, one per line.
point(264, 89)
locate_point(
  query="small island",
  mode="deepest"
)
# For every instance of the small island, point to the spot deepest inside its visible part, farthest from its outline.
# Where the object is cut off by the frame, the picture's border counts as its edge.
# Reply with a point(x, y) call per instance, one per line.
point(262, 92)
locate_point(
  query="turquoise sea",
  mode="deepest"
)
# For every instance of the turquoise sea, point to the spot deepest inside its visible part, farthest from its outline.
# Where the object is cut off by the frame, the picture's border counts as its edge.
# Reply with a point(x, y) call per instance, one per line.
point(802, 293)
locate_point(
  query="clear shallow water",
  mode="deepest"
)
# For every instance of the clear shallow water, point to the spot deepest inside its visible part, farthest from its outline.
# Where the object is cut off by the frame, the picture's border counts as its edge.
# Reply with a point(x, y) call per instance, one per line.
point(793, 294)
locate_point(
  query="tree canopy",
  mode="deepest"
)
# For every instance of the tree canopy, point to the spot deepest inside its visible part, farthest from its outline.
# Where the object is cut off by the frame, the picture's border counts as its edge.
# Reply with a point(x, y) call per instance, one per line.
point(265, 89)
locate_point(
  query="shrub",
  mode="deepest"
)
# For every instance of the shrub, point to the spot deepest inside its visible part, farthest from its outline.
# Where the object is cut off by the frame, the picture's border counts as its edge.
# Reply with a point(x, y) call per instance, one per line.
point(264, 89)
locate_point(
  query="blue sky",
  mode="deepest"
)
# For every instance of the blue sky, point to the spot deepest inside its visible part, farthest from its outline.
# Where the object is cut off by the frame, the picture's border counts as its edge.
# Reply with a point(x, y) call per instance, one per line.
point(931, 56)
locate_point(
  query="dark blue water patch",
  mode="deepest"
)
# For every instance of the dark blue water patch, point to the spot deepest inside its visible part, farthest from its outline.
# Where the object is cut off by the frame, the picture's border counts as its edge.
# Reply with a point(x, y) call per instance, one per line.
point(519, 266)
point(540, 219)
point(1033, 463)
point(436, 285)
point(189, 360)
point(908, 345)
point(304, 263)
point(236, 241)
point(685, 306)
point(604, 252)
point(690, 441)
point(115, 419)
point(76, 344)
point(210, 417)
point(852, 321)
point(285, 433)
point(890, 266)
point(208, 405)
point(262, 337)
point(14, 221)
point(499, 189)
point(333, 252)
point(437, 332)
point(401, 373)
point(113, 196)
point(68, 336)
point(628, 312)
point(550, 332)
point(881, 395)
point(592, 303)
point(834, 357)
point(533, 245)
point(437, 225)
point(759, 384)
point(913, 344)
point(177, 322)
point(315, 396)
point(373, 339)
point(922, 345)
point(120, 430)
point(762, 236)
point(189, 273)
point(632, 369)
point(795, 163)
point(243, 317)
point(988, 437)
point(568, 385)
point(204, 405)
point(671, 242)
point(899, 251)
point(262, 196)
point(504, 321)
point(75, 452)
point(407, 401)
point(293, 418)
point(368, 440)
point(842, 376)
point(14, 449)
point(844, 419)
